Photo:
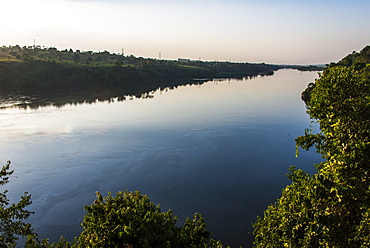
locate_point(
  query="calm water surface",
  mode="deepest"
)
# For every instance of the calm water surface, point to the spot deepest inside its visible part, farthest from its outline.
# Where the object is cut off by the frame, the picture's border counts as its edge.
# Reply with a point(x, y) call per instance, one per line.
point(221, 149)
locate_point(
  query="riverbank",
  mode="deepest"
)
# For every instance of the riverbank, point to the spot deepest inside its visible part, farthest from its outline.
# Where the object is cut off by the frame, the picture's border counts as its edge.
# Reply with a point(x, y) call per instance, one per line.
point(49, 73)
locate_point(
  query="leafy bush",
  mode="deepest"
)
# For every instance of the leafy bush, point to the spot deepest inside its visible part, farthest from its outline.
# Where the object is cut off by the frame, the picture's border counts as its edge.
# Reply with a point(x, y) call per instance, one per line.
point(130, 220)
point(127, 220)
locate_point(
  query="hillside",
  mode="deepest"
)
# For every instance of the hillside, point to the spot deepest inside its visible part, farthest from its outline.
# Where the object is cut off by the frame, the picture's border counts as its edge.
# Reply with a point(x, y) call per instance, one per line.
point(30, 71)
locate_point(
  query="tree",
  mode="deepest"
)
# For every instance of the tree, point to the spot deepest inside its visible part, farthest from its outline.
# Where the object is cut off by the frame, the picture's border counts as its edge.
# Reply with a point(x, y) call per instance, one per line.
point(330, 208)
point(76, 57)
point(13, 215)
point(34, 242)
point(127, 220)
point(130, 220)
point(119, 62)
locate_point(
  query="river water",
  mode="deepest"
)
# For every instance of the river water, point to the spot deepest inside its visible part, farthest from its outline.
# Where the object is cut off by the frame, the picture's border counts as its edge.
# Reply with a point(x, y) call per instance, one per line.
point(221, 149)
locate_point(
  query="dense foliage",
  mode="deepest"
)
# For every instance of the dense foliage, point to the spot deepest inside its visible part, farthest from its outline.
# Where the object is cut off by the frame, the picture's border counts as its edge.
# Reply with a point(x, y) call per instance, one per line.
point(130, 220)
point(332, 207)
point(12, 216)
point(127, 220)
point(47, 71)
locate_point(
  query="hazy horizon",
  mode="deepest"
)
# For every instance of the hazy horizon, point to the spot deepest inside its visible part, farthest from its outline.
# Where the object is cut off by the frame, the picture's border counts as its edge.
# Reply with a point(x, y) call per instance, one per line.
point(284, 32)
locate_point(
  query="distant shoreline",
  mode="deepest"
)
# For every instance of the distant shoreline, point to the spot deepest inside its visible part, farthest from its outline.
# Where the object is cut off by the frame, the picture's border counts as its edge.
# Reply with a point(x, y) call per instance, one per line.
point(30, 71)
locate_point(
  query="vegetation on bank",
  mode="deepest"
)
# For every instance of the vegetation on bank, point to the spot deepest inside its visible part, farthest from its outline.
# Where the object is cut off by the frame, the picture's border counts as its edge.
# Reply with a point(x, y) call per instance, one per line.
point(128, 219)
point(332, 207)
point(46, 71)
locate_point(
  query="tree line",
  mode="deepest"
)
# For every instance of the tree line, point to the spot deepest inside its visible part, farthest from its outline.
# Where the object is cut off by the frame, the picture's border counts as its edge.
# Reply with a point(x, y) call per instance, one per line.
point(46, 71)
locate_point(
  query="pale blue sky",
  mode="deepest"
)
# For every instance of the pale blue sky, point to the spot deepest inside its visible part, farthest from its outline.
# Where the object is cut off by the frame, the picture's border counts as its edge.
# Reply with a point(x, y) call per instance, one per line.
point(286, 31)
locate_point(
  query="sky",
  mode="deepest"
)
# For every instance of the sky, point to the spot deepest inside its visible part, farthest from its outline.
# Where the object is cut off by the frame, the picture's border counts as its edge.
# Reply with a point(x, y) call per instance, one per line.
point(276, 32)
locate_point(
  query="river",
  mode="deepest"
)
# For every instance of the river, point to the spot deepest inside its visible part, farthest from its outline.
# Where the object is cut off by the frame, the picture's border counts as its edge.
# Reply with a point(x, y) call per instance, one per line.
point(221, 149)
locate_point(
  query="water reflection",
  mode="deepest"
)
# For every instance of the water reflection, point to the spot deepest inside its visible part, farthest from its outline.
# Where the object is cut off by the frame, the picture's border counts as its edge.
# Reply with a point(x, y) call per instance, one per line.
point(221, 148)
point(107, 95)
point(76, 98)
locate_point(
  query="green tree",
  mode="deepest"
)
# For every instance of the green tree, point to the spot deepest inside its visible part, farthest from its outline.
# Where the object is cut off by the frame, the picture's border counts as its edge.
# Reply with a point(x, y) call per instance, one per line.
point(12, 216)
point(332, 207)
point(127, 220)
point(33, 241)
point(119, 62)
point(130, 220)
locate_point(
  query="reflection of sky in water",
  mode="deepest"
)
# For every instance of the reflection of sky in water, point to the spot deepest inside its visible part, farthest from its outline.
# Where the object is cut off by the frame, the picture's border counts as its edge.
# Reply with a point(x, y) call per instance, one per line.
point(222, 148)
point(222, 102)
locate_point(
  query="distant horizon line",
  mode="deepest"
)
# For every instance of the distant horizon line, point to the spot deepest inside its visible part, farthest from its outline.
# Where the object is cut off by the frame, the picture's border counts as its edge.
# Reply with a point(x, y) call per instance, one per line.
point(160, 56)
